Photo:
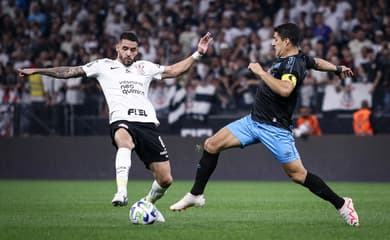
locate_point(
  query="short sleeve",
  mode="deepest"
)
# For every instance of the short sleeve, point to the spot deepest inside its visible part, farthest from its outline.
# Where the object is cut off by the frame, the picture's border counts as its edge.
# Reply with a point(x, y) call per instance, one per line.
point(310, 62)
point(152, 69)
point(91, 69)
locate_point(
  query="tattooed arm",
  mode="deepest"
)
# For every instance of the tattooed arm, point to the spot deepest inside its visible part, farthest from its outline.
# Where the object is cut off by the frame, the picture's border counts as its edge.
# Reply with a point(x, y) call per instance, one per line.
point(57, 72)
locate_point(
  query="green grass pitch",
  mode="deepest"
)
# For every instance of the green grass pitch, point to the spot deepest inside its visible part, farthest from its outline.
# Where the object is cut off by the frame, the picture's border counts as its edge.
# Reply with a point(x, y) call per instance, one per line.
point(234, 210)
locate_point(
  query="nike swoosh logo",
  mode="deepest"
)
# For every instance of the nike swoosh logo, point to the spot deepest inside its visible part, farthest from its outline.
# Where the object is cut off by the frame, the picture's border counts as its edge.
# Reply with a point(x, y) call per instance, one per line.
point(113, 68)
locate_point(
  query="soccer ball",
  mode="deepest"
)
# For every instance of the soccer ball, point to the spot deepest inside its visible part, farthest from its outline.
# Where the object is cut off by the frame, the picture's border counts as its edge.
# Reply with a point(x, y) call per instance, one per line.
point(143, 212)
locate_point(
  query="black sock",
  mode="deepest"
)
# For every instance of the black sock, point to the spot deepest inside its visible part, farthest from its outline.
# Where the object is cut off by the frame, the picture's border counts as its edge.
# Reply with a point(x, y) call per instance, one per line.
point(317, 186)
point(206, 167)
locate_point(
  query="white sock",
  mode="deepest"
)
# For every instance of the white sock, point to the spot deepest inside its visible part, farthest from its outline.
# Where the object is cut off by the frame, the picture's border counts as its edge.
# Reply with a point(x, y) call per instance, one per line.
point(122, 167)
point(156, 192)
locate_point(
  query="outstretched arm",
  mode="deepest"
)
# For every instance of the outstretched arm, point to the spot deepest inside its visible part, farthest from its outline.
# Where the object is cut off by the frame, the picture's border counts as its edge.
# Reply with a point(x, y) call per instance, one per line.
point(283, 88)
point(323, 65)
point(181, 67)
point(57, 72)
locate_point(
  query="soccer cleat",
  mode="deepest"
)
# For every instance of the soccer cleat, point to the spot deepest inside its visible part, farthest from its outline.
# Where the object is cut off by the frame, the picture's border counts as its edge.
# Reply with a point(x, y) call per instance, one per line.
point(348, 212)
point(160, 218)
point(119, 200)
point(187, 201)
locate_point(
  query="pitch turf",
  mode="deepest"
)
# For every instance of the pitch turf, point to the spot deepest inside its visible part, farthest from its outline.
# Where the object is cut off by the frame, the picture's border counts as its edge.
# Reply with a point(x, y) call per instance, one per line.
point(234, 210)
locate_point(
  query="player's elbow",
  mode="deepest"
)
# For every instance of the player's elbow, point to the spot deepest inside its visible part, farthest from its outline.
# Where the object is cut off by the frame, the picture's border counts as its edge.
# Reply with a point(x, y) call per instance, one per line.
point(285, 92)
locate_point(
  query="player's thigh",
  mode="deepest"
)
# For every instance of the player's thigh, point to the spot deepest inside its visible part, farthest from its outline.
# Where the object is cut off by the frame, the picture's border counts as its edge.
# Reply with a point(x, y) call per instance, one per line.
point(123, 138)
point(161, 172)
point(223, 139)
point(279, 141)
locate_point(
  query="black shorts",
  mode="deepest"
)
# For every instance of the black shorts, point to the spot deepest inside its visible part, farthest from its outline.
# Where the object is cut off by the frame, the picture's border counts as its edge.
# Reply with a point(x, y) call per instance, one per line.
point(149, 145)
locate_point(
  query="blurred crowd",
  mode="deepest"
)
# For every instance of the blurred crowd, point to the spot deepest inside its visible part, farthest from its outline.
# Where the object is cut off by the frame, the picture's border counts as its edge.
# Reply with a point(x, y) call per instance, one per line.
point(73, 32)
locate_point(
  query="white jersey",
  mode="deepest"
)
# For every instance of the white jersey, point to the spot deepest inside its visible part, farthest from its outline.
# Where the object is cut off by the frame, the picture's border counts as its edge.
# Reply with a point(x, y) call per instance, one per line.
point(126, 88)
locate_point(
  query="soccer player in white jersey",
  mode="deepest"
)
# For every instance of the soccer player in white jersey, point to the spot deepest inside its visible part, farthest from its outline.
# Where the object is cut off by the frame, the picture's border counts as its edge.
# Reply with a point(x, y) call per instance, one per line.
point(133, 122)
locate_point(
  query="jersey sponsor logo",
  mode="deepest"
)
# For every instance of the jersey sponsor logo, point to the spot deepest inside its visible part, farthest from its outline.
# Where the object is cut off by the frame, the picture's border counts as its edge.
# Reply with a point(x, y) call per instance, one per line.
point(112, 68)
point(290, 77)
point(129, 90)
point(128, 87)
point(137, 112)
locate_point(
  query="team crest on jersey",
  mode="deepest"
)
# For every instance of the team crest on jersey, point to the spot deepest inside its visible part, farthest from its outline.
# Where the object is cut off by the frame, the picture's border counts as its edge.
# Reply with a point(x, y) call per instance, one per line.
point(140, 69)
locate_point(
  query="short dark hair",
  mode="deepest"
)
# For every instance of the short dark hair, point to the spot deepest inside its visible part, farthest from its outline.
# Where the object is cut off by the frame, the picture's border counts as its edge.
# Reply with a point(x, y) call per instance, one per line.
point(290, 31)
point(129, 36)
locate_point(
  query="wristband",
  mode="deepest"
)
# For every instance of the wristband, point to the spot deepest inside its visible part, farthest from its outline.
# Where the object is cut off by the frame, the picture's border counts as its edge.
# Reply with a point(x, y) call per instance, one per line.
point(339, 70)
point(197, 56)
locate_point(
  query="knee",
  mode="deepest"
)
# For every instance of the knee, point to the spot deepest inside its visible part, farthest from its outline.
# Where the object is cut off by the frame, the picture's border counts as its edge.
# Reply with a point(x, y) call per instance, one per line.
point(165, 181)
point(211, 146)
point(298, 177)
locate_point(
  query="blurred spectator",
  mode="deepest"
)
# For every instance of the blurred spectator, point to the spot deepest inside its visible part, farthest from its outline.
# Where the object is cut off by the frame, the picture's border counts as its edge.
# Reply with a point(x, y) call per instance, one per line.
point(362, 121)
point(3, 83)
point(69, 26)
point(283, 14)
point(244, 90)
point(384, 56)
point(204, 96)
point(33, 114)
point(188, 39)
point(370, 70)
point(224, 94)
point(115, 27)
point(147, 51)
point(160, 94)
point(357, 43)
point(303, 8)
point(39, 16)
point(10, 85)
point(74, 94)
point(333, 17)
point(6, 124)
point(307, 124)
point(266, 31)
point(307, 90)
point(321, 31)
point(347, 26)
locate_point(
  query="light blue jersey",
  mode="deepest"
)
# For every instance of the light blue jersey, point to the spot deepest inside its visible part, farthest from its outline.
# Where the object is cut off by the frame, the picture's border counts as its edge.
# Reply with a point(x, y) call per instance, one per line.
point(278, 140)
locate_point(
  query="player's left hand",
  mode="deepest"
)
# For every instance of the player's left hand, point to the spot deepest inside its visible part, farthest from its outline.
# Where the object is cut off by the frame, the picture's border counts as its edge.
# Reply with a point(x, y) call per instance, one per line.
point(204, 43)
point(256, 68)
point(346, 72)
